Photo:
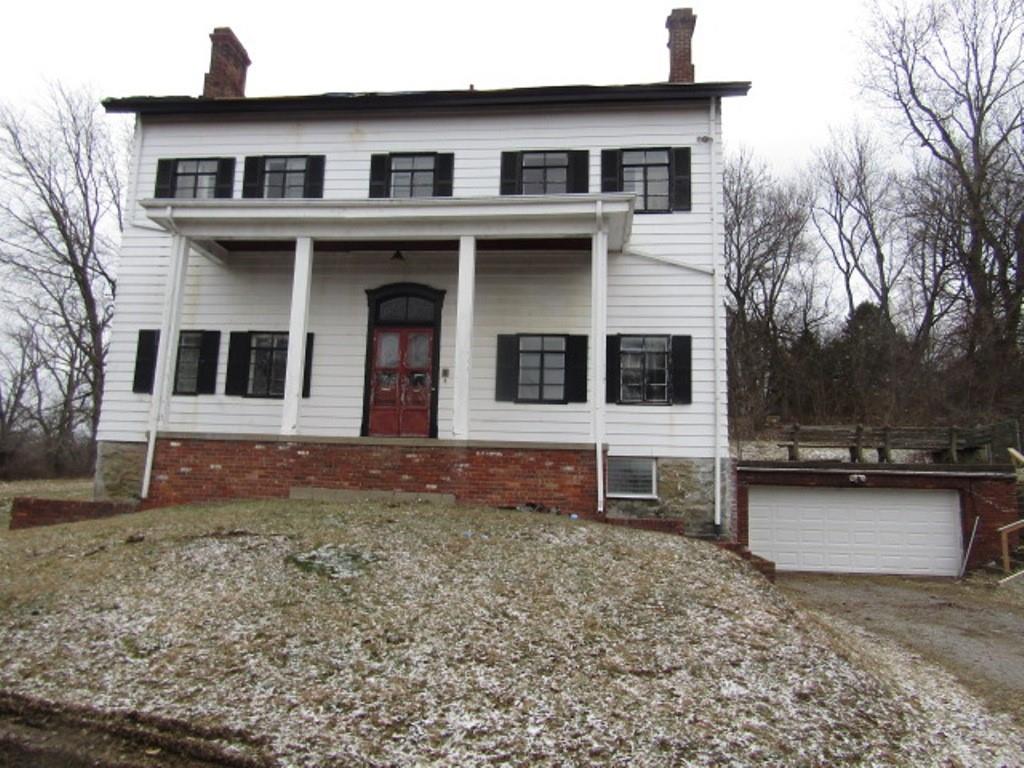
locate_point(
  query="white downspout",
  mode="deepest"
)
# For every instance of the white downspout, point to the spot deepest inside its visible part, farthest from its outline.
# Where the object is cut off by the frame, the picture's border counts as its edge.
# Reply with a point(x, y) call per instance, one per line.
point(716, 298)
point(598, 327)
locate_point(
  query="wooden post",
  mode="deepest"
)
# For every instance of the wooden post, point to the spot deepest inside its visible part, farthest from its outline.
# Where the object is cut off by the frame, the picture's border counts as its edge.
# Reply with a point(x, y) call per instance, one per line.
point(464, 337)
point(857, 451)
point(794, 446)
point(1005, 537)
point(885, 452)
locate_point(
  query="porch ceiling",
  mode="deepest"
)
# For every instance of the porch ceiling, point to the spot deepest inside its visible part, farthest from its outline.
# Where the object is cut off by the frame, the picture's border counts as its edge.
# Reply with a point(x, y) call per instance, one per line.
point(435, 219)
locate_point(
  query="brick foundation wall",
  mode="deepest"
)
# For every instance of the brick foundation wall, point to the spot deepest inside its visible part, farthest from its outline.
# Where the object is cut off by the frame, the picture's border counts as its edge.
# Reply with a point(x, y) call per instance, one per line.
point(986, 494)
point(29, 512)
point(197, 469)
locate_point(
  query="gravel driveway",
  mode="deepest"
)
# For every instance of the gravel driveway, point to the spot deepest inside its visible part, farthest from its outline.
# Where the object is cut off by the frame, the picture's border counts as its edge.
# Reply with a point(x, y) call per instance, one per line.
point(973, 629)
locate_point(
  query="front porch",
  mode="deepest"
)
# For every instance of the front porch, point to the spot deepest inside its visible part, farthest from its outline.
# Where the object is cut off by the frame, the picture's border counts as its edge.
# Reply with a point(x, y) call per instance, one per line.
point(491, 267)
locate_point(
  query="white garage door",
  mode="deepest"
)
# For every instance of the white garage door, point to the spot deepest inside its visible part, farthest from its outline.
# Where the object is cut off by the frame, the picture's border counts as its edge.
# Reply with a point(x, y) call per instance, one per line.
point(857, 530)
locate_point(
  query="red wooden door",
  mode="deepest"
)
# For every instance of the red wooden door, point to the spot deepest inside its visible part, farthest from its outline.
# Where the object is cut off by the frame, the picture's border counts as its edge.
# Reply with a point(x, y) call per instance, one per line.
point(401, 382)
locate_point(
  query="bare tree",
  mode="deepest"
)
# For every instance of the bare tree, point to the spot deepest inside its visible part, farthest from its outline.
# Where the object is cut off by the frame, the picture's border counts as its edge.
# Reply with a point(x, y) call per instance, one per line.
point(60, 217)
point(857, 215)
point(765, 249)
point(953, 70)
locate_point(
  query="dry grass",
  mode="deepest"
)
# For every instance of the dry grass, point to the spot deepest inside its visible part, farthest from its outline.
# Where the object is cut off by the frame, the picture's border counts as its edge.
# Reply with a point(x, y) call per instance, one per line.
point(74, 488)
point(369, 634)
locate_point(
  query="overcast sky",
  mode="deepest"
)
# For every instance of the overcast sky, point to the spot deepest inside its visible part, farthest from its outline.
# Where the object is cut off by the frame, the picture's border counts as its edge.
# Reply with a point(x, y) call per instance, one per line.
point(802, 56)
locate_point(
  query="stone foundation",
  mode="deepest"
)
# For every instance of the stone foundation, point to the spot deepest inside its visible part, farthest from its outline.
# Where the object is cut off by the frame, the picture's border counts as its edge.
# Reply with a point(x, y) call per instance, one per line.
point(192, 469)
point(119, 468)
point(686, 493)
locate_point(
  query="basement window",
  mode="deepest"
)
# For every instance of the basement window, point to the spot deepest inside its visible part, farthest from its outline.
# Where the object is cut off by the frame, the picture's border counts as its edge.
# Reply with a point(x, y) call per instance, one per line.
point(631, 477)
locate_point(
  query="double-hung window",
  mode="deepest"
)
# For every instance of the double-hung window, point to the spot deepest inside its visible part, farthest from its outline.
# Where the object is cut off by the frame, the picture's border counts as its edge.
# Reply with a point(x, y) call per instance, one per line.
point(258, 364)
point(645, 172)
point(649, 369)
point(195, 178)
point(659, 177)
point(541, 369)
point(195, 372)
point(643, 369)
point(412, 174)
point(268, 363)
point(545, 172)
point(284, 176)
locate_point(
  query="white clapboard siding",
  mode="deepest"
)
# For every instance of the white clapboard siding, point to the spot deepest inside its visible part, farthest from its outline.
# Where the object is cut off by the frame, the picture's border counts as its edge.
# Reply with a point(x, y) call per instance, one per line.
point(515, 293)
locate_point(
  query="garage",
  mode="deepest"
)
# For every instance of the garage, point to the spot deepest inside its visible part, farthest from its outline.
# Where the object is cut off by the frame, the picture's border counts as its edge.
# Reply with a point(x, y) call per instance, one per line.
point(857, 530)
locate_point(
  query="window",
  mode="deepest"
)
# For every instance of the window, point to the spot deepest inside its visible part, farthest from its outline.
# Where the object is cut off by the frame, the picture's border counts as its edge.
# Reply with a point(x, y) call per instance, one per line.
point(643, 369)
point(258, 364)
point(541, 369)
point(423, 174)
point(268, 362)
point(630, 477)
point(195, 179)
point(547, 172)
point(294, 176)
point(196, 372)
point(649, 369)
point(645, 173)
point(659, 177)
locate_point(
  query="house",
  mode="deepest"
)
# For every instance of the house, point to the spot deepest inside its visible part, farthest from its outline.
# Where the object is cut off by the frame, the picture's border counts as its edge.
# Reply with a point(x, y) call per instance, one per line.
point(508, 296)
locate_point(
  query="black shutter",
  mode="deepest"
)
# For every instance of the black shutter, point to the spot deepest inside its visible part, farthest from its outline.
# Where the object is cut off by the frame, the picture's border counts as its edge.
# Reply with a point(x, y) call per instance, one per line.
point(511, 173)
point(611, 170)
point(307, 370)
point(380, 167)
point(225, 178)
point(237, 381)
point(681, 179)
point(682, 386)
point(145, 361)
point(507, 375)
point(314, 176)
point(612, 388)
point(164, 178)
point(252, 179)
point(444, 173)
point(576, 369)
point(209, 353)
point(579, 171)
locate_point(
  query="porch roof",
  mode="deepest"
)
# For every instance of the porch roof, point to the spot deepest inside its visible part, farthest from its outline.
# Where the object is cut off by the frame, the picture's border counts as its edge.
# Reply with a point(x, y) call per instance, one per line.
point(212, 222)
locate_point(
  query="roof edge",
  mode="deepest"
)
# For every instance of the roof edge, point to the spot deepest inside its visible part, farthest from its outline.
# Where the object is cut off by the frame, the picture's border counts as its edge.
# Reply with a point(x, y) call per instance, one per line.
point(561, 95)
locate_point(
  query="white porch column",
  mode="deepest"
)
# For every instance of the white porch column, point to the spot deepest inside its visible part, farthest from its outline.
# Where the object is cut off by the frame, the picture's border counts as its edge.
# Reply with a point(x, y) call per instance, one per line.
point(464, 337)
point(166, 351)
point(598, 331)
point(301, 278)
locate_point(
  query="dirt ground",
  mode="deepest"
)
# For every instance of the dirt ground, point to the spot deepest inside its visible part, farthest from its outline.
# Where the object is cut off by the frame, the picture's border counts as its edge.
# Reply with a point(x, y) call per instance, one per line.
point(973, 628)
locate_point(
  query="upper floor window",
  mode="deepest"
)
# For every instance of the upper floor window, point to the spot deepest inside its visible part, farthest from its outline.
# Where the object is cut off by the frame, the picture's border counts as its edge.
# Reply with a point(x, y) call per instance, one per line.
point(421, 174)
point(659, 177)
point(195, 178)
point(549, 172)
point(293, 176)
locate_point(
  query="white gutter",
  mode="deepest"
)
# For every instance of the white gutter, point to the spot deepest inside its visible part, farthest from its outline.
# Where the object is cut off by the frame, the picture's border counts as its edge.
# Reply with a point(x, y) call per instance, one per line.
point(716, 297)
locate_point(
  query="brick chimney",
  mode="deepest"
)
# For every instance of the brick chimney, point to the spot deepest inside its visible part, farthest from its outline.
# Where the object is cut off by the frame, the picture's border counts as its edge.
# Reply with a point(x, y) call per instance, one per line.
point(228, 65)
point(680, 24)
